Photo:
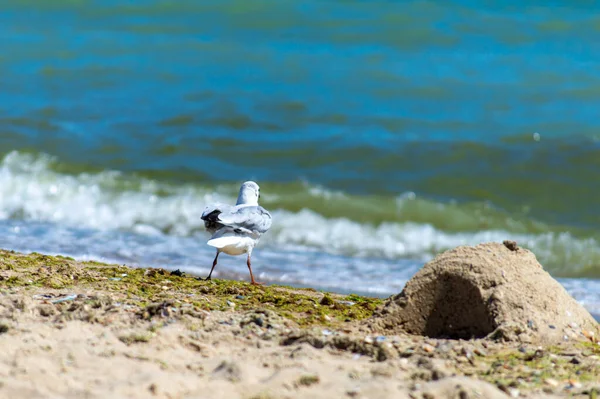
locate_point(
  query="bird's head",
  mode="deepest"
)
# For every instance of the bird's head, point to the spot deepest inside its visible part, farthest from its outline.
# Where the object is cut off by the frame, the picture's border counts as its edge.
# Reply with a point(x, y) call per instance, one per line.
point(249, 194)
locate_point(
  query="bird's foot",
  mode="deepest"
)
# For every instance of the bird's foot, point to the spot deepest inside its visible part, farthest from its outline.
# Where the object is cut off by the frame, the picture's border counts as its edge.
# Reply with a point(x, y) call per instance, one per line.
point(203, 279)
point(256, 283)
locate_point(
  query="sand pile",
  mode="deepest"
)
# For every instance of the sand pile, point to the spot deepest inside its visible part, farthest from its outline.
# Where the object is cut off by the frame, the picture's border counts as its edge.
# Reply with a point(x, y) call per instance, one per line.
point(498, 291)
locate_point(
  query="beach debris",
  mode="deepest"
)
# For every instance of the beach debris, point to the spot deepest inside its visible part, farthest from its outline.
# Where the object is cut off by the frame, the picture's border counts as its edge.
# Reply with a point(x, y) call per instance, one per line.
point(65, 299)
point(307, 380)
point(163, 309)
point(347, 303)
point(480, 352)
point(177, 273)
point(589, 335)
point(258, 321)
point(551, 382)
point(326, 300)
point(136, 338)
point(262, 318)
point(538, 354)
point(115, 279)
point(428, 348)
point(152, 272)
point(512, 245)
point(43, 296)
point(239, 297)
point(573, 384)
point(228, 370)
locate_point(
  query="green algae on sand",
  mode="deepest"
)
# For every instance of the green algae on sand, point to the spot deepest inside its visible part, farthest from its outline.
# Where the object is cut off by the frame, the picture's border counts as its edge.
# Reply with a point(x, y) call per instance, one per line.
point(141, 287)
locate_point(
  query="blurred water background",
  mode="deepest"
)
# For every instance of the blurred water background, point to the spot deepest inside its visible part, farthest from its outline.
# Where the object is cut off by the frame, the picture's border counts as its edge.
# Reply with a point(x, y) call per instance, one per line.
point(381, 133)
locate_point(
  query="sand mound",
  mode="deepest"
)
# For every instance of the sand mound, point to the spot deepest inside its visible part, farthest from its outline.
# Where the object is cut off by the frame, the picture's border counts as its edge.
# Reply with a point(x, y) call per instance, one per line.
point(491, 290)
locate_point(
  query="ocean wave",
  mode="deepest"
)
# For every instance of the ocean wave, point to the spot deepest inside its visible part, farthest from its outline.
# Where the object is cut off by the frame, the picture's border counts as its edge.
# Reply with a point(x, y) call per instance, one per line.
point(305, 216)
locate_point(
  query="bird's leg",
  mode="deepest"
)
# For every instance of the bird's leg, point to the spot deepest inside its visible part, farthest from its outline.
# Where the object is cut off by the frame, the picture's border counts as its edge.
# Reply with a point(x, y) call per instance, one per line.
point(213, 266)
point(252, 281)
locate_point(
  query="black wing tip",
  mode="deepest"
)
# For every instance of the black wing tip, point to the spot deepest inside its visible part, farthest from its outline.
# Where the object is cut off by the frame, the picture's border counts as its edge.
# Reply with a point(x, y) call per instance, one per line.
point(211, 220)
point(213, 216)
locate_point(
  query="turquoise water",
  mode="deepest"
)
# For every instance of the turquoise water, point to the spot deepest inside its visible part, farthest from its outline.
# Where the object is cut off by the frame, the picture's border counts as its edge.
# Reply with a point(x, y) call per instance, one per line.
point(380, 132)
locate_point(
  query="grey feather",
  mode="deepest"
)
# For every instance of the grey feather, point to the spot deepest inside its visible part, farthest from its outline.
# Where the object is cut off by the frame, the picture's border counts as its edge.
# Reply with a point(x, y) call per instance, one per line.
point(253, 220)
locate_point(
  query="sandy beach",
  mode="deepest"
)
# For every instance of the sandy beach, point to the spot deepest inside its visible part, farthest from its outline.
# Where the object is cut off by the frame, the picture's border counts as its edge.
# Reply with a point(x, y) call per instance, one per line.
point(74, 329)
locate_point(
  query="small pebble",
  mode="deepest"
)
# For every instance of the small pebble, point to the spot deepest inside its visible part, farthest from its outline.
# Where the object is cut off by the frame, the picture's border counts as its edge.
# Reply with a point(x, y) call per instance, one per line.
point(480, 352)
point(575, 360)
point(589, 335)
point(552, 326)
point(428, 348)
point(380, 338)
point(551, 382)
point(444, 347)
point(512, 245)
point(327, 332)
point(513, 392)
point(408, 353)
point(574, 384)
point(239, 297)
point(153, 389)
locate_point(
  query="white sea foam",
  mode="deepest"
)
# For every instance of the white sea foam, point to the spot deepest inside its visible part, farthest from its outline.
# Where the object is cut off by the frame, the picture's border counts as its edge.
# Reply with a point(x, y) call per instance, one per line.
point(31, 190)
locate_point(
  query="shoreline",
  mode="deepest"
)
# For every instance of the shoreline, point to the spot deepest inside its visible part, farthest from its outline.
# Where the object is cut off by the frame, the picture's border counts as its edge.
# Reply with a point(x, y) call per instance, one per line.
point(89, 329)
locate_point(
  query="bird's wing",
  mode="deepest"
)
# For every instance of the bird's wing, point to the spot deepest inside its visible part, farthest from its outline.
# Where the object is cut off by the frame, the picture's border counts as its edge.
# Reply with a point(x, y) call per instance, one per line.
point(253, 219)
point(215, 207)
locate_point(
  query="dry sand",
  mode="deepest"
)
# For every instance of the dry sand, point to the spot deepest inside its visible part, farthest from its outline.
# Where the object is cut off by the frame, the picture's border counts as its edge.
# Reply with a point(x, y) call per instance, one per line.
point(131, 333)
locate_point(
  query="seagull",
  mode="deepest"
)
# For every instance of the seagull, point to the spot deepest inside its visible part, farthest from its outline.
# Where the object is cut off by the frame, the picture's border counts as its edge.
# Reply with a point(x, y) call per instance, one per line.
point(236, 229)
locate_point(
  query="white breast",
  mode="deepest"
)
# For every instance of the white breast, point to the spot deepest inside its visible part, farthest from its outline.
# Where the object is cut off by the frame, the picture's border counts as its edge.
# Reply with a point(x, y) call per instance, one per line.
point(233, 245)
